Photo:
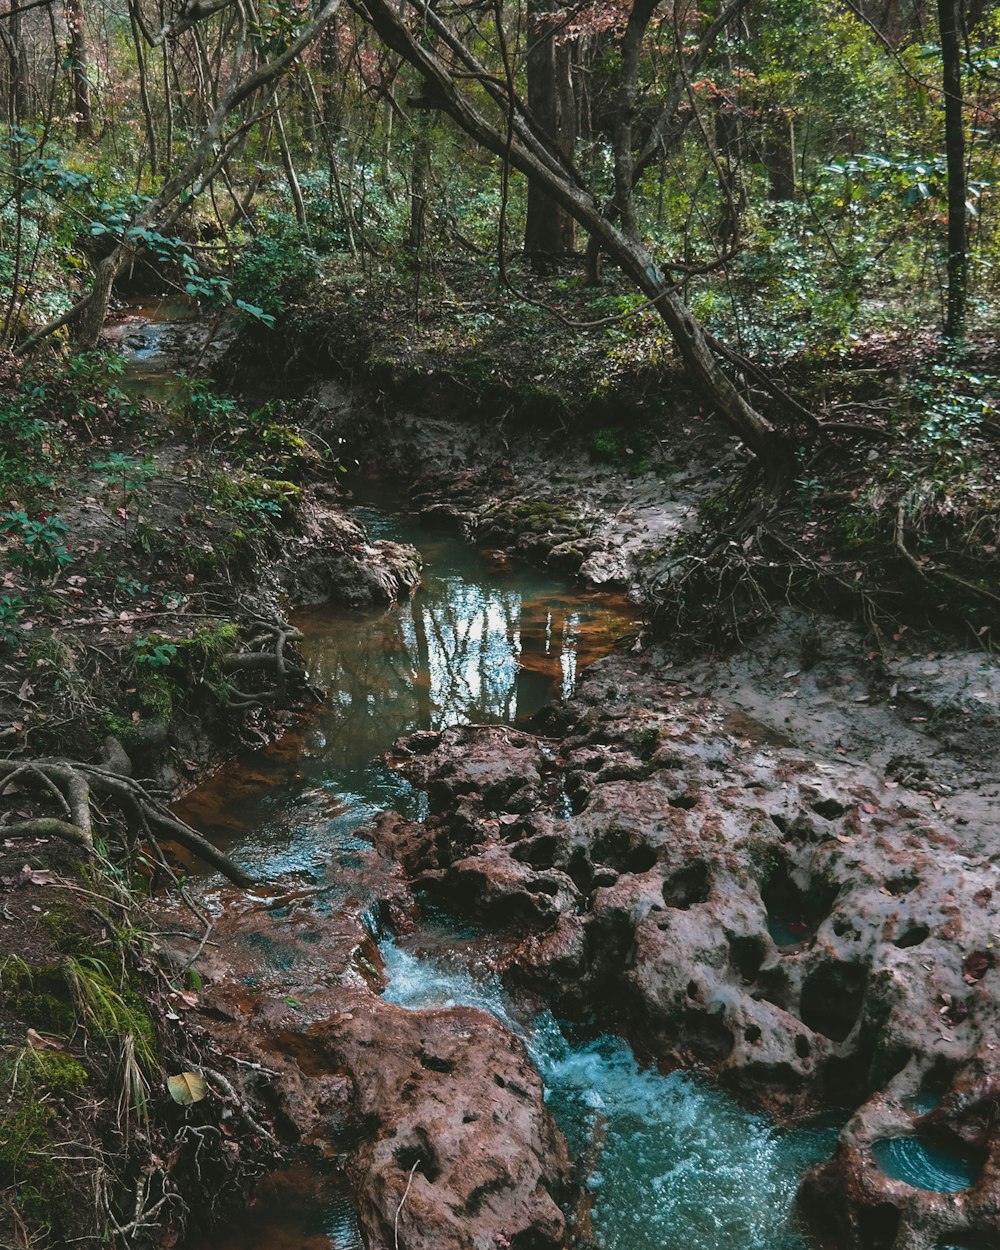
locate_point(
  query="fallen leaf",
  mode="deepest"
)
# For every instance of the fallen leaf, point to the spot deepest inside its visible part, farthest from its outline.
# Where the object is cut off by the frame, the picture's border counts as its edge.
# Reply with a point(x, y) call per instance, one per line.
point(974, 967)
point(187, 1087)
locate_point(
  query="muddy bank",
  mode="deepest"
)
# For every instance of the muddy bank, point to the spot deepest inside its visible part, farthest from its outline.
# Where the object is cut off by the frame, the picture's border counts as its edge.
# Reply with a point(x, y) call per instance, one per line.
point(541, 436)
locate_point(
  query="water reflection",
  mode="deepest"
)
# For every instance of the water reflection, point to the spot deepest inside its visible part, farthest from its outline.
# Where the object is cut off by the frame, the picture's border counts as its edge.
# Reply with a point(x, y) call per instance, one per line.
point(479, 642)
point(476, 643)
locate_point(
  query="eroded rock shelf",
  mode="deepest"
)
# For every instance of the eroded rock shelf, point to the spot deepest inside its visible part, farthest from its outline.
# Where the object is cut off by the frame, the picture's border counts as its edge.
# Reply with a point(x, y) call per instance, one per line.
point(642, 859)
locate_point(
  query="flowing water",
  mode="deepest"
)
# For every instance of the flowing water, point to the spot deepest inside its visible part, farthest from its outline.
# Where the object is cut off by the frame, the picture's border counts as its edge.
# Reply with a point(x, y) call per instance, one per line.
point(674, 1164)
point(671, 1162)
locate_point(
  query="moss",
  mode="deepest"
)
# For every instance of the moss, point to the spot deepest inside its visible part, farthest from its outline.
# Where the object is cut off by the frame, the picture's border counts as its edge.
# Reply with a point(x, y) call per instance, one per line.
point(29, 1126)
point(25, 1167)
point(57, 1071)
point(766, 859)
point(38, 997)
point(68, 930)
point(156, 694)
point(280, 441)
point(644, 741)
point(131, 734)
point(242, 487)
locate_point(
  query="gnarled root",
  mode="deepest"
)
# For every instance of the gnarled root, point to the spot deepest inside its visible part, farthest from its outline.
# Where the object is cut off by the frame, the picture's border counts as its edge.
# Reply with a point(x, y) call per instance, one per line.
point(74, 786)
point(274, 637)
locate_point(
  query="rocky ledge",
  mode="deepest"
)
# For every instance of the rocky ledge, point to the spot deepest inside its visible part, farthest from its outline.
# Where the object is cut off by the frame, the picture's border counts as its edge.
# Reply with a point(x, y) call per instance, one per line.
point(809, 930)
point(437, 1116)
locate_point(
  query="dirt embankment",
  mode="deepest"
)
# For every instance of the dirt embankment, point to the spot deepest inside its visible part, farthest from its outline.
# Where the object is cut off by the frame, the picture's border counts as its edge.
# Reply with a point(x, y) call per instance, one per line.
point(150, 558)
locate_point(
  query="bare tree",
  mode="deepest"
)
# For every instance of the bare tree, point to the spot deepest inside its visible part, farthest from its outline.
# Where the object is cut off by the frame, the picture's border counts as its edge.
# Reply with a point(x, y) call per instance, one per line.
point(950, 25)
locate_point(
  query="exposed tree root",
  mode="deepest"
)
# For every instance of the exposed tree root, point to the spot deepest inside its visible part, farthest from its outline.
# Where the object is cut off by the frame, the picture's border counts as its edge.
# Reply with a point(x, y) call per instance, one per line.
point(75, 785)
point(726, 582)
point(273, 661)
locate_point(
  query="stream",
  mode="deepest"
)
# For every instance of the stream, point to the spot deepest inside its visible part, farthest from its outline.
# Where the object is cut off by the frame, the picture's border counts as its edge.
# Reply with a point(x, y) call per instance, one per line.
point(671, 1162)
point(677, 1164)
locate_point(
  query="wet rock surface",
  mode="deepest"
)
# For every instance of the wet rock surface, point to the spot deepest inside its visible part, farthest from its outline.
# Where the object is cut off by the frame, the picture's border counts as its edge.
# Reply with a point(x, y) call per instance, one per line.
point(810, 929)
point(335, 561)
point(437, 1115)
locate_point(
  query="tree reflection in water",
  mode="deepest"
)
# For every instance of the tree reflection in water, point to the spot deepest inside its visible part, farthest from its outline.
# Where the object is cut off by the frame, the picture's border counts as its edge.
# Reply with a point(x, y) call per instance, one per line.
point(475, 644)
point(458, 653)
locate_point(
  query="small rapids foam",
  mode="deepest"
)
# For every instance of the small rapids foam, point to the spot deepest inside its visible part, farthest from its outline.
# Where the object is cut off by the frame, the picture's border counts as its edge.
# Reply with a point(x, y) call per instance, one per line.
point(677, 1164)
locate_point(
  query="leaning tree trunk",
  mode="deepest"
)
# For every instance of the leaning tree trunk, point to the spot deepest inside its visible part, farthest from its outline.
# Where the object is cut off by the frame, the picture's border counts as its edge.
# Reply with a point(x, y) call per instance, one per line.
point(529, 151)
point(950, 24)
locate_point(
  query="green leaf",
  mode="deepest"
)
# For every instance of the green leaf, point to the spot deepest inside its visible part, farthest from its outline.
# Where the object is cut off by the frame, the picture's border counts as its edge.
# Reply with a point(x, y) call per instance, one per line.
point(187, 1087)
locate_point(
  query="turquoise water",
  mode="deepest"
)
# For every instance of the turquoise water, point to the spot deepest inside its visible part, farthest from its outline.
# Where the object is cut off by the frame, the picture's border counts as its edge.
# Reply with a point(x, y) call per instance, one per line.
point(675, 1163)
point(671, 1162)
point(926, 1165)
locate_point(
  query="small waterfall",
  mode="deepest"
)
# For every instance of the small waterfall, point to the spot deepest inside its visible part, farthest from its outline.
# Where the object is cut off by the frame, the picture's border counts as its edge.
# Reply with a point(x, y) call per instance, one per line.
point(678, 1164)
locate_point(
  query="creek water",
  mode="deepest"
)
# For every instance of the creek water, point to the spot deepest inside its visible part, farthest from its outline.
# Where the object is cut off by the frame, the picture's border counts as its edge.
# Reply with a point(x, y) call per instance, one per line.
point(669, 1162)
point(672, 1162)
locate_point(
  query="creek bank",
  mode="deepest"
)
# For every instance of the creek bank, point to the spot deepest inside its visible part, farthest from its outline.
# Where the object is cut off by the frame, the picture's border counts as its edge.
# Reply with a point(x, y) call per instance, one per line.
point(806, 928)
point(141, 653)
point(886, 511)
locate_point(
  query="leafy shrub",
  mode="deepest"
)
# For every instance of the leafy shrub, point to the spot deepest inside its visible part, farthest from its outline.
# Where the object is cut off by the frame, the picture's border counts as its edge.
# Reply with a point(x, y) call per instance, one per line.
point(274, 267)
point(11, 607)
point(38, 548)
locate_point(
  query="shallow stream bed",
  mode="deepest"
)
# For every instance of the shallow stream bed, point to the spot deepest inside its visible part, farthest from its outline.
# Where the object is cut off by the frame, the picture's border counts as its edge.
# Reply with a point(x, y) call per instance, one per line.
point(668, 1161)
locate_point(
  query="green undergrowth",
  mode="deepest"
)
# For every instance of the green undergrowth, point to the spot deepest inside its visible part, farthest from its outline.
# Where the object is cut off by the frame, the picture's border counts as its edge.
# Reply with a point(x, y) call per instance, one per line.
point(76, 1040)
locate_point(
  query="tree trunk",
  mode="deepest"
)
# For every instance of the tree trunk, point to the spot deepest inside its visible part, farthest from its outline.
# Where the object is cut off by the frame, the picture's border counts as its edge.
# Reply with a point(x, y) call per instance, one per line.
point(294, 188)
point(420, 161)
point(950, 25)
point(548, 228)
point(779, 158)
point(13, 78)
point(78, 66)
